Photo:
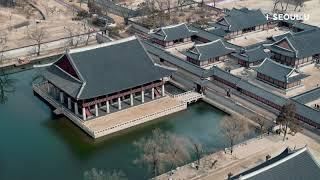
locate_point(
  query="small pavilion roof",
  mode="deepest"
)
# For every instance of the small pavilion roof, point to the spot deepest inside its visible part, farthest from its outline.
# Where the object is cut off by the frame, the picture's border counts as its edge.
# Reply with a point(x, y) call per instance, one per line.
point(252, 55)
point(279, 71)
point(297, 45)
point(105, 69)
point(206, 51)
point(238, 19)
point(289, 165)
point(173, 32)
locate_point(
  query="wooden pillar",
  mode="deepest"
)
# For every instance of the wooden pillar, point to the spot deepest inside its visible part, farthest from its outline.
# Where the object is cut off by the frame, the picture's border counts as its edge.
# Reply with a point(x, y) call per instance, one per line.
point(108, 107)
point(119, 103)
point(48, 87)
point(162, 90)
point(142, 96)
point(61, 97)
point(84, 117)
point(131, 99)
point(69, 103)
point(152, 93)
point(55, 92)
point(76, 108)
point(97, 109)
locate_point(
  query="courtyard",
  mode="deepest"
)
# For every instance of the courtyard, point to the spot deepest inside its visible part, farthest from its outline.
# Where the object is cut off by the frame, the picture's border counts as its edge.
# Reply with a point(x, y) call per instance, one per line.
point(251, 38)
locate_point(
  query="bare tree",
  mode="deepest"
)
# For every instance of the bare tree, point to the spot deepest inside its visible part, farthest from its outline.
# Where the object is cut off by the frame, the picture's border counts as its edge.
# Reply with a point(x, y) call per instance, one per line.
point(162, 150)
point(7, 85)
point(180, 3)
point(75, 32)
point(3, 45)
point(37, 35)
point(88, 31)
point(161, 5)
point(214, 2)
point(198, 151)
point(234, 129)
point(81, 1)
point(275, 4)
point(168, 4)
point(177, 151)
point(262, 124)
point(153, 152)
point(287, 118)
point(284, 4)
point(298, 3)
point(95, 174)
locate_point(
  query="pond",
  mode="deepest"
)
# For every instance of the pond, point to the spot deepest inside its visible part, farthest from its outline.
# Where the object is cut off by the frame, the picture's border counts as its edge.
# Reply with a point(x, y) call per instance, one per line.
point(36, 145)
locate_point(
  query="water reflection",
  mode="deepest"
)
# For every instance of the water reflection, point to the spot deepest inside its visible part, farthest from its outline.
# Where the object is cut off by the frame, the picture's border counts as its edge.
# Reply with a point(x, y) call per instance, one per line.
point(37, 145)
point(7, 85)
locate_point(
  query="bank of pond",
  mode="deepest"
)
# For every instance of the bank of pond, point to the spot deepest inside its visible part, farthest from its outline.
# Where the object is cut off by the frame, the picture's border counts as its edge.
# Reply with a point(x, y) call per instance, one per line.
point(35, 144)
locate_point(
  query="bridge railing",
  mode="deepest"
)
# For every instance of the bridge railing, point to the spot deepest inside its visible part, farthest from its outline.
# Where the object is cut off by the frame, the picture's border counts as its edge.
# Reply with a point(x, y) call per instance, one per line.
point(182, 94)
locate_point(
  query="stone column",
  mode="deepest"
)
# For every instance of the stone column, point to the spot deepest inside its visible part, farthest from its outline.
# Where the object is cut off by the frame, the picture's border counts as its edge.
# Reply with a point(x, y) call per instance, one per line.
point(69, 103)
point(152, 93)
point(61, 97)
point(84, 117)
point(97, 109)
point(76, 108)
point(54, 92)
point(131, 99)
point(48, 88)
point(162, 90)
point(119, 103)
point(108, 108)
point(142, 96)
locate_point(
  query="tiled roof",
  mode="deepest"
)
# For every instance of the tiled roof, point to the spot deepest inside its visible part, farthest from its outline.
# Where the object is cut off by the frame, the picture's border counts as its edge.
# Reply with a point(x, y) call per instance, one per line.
point(252, 55)
point(308, 96)
point(205, 34)
point(245, 85)
point(279, 71)
point(289, 165)
point(301, 44)
point(190, 67)
point(206, 51)
point(62, 80)
point(106, 68)
point(173, 32)
point(238, 19)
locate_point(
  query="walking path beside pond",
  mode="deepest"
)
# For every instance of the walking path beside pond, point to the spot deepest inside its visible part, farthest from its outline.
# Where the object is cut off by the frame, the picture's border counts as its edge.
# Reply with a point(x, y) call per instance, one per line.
point(246, 155)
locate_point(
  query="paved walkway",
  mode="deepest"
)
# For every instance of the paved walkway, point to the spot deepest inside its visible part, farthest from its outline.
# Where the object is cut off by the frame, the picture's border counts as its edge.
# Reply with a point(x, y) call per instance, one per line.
point(135, 112)
point(246, 156)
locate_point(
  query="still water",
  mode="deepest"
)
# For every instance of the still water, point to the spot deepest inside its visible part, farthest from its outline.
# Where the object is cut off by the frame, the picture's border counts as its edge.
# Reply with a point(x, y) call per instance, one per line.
point(35, 145)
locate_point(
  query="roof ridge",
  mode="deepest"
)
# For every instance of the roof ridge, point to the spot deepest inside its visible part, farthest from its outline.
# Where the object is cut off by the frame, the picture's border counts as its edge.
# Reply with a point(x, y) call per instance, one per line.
point(282, 65)
point(172, 26)
point(131, 38)
point(208, 43)
point(305, 93)
point(270, 166)
point(253, 49)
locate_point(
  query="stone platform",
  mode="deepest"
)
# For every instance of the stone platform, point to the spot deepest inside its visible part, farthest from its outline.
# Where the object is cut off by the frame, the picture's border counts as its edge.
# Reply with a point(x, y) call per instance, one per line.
point(120, 120)
point(133, 116)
